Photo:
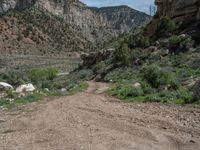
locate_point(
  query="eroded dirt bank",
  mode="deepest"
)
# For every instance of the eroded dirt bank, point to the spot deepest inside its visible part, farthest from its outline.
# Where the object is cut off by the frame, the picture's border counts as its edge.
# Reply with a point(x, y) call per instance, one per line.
point(92, 121)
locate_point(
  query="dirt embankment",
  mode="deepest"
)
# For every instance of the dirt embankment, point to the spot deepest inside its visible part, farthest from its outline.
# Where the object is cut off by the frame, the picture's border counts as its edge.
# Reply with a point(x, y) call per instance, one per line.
point(92, 121)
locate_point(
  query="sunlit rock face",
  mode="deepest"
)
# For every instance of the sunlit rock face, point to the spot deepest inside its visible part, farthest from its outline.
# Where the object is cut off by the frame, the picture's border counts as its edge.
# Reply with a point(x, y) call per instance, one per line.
point(6, 5)
point(179, 10)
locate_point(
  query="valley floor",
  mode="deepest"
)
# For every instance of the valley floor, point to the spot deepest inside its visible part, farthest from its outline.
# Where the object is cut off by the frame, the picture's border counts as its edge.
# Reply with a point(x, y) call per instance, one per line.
point(90, 120)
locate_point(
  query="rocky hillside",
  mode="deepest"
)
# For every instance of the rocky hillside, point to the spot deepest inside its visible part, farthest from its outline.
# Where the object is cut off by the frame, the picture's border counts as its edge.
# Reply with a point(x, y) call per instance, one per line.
point(161, 66)
point(180, 11)
point(42, 26)
point(122, 18)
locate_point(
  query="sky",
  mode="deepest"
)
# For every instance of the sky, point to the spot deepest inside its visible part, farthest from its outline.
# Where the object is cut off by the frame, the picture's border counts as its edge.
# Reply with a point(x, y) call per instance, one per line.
point(141, 5)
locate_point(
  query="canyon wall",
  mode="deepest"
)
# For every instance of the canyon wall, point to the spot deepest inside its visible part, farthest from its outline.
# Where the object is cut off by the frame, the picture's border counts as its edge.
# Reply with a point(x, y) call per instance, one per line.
point(187, 11)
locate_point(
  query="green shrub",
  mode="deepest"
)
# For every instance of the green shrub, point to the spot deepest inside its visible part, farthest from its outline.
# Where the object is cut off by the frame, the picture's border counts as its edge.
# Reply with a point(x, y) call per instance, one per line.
point(157, 77)
point(180, 44)
point(83, 74)
point(120, 75)
point(125, 91)
point(121, 54)
point(174, 40)
point(14, 78)
point(166, 25)
point(181, 94)
point(153, 98)
point(147, 88)
point(43, 74)
point(100, 68)
point(143, 42)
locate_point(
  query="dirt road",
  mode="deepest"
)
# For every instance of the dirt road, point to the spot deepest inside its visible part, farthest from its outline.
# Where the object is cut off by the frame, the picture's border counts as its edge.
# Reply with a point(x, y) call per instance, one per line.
point(92, 121)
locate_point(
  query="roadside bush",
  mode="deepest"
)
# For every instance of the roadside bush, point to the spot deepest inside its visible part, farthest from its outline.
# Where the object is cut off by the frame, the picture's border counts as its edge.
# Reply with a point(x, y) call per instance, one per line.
point(100, 68)
point(153, 98)
point(125, 91)
point(180, 44)
point(143, 42)
point(120, 75)
point(83, 74)
point(43, 74)
point(166, 25)
point(14, 78)
point(174, 40)
point(181, 94)
point(121, 54)
point(147, 88)
point(158, 77)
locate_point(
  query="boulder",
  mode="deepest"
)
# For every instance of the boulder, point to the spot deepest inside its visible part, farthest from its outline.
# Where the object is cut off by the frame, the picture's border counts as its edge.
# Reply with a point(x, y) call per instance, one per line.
point(63, 90)
point(25, 88)
point(5, 86)
point(137, 85)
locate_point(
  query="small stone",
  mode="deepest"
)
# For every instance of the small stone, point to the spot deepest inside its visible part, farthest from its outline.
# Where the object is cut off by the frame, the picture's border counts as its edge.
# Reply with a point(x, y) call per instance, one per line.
point(192, 141)
point(63, 90)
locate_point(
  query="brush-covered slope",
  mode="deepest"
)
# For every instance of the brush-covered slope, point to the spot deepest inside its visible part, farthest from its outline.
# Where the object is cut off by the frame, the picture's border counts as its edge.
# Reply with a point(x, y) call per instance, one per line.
point(45, 26)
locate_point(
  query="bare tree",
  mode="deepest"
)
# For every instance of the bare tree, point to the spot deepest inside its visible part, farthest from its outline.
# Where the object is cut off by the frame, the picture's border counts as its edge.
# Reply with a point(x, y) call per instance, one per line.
point(152, 10)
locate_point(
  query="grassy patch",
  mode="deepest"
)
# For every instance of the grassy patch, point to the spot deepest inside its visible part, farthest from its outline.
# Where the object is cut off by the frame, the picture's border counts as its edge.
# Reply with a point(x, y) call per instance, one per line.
point(129, 93)
point(11, 102)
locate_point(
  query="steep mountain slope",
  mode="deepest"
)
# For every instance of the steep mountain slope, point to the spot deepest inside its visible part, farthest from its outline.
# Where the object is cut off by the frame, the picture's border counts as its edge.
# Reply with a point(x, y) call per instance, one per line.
point(61, 25)
point(122, 18)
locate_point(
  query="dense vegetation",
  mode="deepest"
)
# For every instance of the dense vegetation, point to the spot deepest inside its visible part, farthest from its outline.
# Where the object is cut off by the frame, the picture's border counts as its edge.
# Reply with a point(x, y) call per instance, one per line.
point(46, 82)
point(162, 68)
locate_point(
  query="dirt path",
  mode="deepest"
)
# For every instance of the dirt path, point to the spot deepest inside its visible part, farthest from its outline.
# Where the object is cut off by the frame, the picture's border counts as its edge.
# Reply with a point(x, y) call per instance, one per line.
point(92, 121)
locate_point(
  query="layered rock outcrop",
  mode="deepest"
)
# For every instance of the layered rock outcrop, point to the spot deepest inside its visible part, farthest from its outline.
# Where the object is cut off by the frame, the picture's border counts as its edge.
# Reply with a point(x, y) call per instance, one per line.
point(177, 10)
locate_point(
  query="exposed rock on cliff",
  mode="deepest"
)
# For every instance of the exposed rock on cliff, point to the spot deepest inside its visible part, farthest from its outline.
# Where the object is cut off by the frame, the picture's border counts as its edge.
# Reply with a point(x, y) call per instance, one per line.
point(177, 10)
point(85, 27)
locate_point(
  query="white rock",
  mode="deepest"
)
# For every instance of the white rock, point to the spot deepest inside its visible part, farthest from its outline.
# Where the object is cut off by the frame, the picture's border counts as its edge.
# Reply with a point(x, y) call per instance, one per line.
point(63, 90)
point(25, 88)
point(46, 89)
point(182, 36)
point(137, 85)
point(5, 86)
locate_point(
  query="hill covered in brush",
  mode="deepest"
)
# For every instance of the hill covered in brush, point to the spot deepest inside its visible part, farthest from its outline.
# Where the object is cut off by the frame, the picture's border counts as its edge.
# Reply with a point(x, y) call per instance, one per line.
point(56, 27)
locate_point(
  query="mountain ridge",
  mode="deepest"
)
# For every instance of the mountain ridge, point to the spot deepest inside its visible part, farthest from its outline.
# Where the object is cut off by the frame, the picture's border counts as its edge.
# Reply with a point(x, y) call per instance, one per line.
point(94, 28)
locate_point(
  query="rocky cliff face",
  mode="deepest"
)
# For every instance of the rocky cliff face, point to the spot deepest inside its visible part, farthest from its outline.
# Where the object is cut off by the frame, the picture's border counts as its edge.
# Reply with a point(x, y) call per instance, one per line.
point(181, 11)
point(6, 5)
point(94, 26)
point(122, 18)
